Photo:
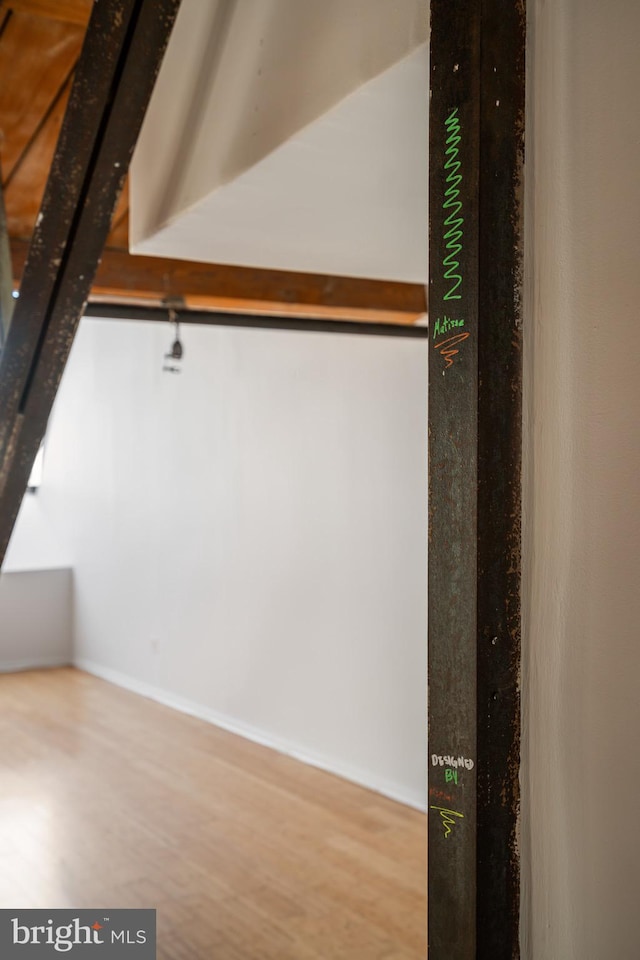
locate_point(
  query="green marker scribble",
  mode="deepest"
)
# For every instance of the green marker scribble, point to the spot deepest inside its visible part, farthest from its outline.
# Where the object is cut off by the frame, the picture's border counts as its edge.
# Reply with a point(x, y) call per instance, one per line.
point(453, 235)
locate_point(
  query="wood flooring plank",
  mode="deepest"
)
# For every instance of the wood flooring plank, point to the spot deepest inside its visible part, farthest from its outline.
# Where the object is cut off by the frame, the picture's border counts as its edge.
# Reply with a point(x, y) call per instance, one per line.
point(108, 799)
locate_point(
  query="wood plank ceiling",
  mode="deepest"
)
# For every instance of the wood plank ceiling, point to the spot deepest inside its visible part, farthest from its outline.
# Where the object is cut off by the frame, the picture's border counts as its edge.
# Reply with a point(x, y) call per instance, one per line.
point(40, 43)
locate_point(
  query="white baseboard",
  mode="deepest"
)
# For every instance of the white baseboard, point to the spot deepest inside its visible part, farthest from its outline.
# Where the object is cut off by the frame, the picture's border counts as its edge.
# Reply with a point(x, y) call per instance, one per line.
point(33, 663)
point(391, 790)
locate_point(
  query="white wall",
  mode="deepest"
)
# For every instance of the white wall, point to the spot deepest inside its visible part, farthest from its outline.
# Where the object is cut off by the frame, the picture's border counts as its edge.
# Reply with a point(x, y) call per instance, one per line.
point(581, 780)
point(36, 608)
point(249, 536)
point(36, 592)
point(36, 542)
point(232, 166)
point(353, 184)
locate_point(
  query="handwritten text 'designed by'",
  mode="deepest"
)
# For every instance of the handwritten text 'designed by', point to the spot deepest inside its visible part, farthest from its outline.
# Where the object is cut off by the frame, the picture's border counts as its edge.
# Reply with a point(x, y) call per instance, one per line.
point(451, 761)
point(448, 819)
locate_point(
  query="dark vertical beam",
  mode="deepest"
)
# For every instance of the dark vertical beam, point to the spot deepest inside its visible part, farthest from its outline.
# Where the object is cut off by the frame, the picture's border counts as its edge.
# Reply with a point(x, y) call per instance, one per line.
point(6, 275)
point(123, 49)
point(499, 462)
point(453, 399)
point(476, 137)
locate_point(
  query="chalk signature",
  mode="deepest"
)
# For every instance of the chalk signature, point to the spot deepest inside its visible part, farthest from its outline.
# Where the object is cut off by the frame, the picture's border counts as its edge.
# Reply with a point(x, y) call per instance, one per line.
point(448, 819)
point(454, 234)
point(447, 347)
point(440, 794)
point(452, 761)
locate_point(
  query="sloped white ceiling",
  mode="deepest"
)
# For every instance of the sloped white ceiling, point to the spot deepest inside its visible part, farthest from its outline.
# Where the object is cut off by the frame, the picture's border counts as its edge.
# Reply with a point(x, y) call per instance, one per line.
point(298, 149)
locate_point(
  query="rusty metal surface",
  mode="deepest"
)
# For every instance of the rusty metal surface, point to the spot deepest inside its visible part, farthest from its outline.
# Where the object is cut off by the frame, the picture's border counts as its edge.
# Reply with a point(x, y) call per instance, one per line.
point(476, 143)
point(70, 171)
point(123, 49)
point(453, 392)
point(499, 469)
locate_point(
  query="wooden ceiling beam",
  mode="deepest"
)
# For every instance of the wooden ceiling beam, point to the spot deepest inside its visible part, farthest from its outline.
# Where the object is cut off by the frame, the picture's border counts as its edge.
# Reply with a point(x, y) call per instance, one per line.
point(68, 11)
point(135, 279)
point(36, 59)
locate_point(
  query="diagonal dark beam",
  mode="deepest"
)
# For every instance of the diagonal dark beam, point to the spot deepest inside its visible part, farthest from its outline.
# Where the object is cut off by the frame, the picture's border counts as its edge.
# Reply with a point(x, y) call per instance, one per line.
point(123, 49)
point(6, 275)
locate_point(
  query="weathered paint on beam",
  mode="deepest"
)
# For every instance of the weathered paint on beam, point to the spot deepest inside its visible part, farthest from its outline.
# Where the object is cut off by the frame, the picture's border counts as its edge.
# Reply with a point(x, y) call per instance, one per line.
point(475, 376)
point(453, 394)
point(64, 195)
point(122, 52)
point(499, 469)
point(6, 275)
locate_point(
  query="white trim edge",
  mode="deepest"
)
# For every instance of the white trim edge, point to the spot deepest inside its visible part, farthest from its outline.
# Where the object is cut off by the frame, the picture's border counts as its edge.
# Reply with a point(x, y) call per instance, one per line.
point(34, 663)
point(378, 785)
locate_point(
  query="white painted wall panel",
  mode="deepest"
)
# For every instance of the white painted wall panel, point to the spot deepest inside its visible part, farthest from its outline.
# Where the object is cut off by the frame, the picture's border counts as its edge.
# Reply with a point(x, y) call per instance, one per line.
point(582, 537)
point(240, 78)
point(37, 543)
point(249, 536)
point(347, 195)
point(35, 619)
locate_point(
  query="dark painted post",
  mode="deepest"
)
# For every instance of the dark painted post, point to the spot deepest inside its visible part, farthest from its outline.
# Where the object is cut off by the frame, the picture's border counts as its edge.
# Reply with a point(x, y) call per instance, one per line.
point(475, 160)
point(453, 431)
point(6, 278)
point(502, 84)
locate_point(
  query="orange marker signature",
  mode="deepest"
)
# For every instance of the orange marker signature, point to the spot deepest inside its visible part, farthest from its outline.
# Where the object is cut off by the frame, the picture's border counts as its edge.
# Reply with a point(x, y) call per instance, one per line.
point(446, 347)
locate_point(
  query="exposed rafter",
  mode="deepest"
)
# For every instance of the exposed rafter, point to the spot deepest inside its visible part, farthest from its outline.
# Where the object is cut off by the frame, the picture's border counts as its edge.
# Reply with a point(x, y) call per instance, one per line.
point(69, 11)
point(38, 52)
point(135, 279)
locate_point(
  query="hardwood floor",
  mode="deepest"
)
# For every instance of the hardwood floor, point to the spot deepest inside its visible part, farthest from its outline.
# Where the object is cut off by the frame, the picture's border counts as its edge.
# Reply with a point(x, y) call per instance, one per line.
point(111, 800)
